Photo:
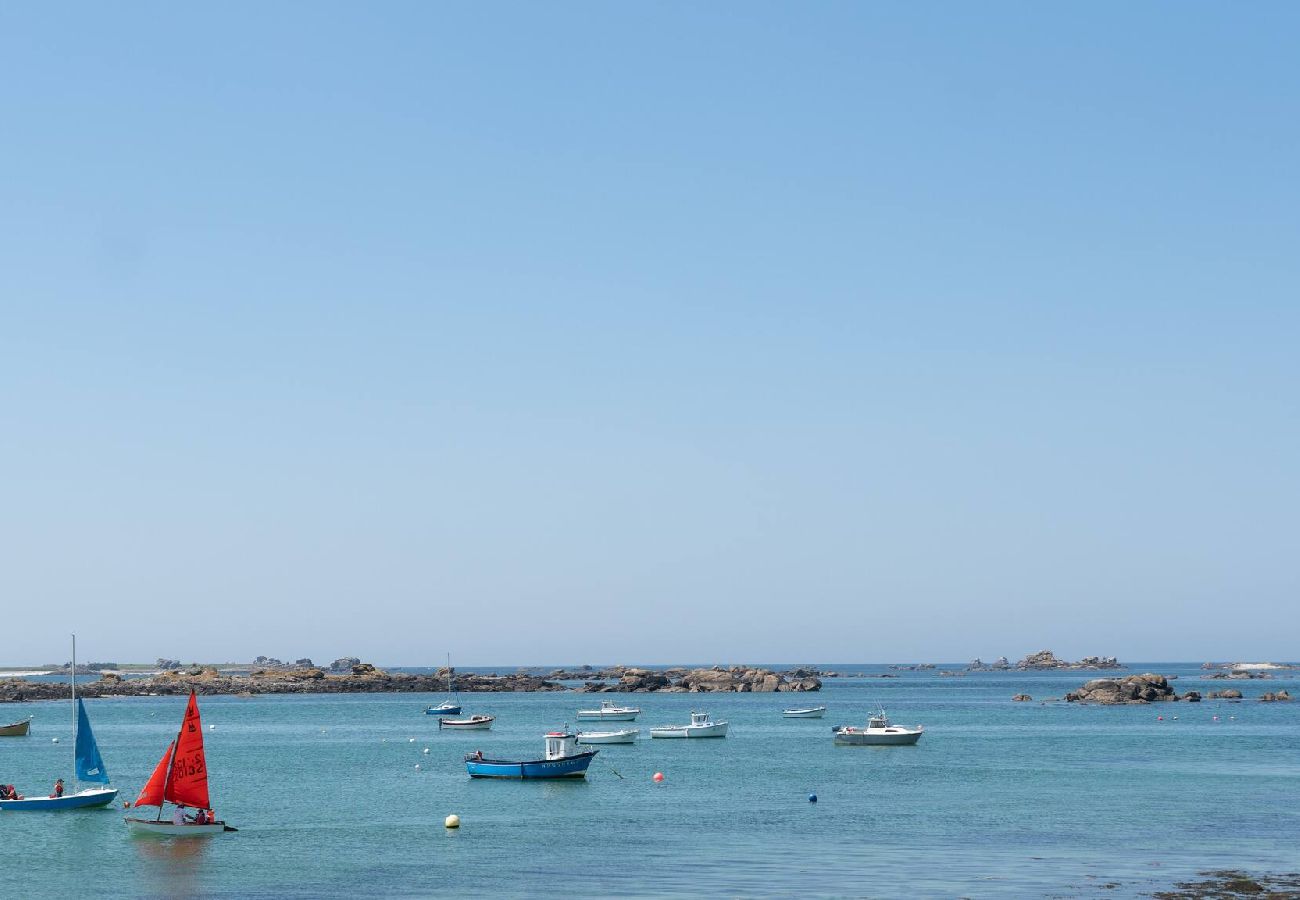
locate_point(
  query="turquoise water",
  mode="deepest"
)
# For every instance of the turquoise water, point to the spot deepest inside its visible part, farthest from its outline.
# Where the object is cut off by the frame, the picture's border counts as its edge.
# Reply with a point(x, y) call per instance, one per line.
point(999, 799)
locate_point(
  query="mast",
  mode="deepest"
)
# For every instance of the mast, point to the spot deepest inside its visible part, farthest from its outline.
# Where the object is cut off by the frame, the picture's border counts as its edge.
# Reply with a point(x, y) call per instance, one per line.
point(449, 693)
point(75, 724)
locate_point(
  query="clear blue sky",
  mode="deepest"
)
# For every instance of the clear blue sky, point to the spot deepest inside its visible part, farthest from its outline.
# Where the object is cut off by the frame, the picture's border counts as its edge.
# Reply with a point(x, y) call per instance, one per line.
point(649, 332)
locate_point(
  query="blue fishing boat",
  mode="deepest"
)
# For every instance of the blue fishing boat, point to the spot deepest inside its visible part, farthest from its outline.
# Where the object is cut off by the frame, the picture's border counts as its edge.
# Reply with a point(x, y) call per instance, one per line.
point(87, 765)
point(563, 760)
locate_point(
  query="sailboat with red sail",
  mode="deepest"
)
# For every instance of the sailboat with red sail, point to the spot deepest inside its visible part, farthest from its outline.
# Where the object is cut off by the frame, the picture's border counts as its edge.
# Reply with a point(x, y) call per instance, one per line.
point(180, 778)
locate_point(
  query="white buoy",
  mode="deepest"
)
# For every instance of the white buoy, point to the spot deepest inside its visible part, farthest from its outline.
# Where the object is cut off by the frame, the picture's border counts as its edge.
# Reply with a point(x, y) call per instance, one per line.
point(426, 749)
point(411, 740)
point(417, 767)
point(452, 821)
point(56, 740)
point(210, 727)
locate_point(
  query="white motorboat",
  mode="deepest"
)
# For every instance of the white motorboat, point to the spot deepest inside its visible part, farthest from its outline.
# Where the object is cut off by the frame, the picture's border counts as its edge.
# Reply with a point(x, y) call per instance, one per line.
point(610, 712)
point(806, 712)
point(626, 736)
point(700, 727)
point(473, 723)
point(880, 732)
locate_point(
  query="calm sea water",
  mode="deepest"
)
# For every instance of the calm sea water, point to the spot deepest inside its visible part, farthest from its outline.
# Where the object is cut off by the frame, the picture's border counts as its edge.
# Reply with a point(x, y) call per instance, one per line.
point(999, 799)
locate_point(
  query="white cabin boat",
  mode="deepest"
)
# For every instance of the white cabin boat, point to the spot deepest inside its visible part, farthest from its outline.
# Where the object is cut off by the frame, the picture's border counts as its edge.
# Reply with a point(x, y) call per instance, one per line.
point(880, 732)
point(806, 712)
point(700, 727)
point(610, 712)
point(625, 736)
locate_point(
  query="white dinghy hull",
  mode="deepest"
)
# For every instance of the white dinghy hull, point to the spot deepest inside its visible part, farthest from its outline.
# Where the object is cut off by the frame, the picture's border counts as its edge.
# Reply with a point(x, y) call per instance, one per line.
point(171, 829)
point(626, 736)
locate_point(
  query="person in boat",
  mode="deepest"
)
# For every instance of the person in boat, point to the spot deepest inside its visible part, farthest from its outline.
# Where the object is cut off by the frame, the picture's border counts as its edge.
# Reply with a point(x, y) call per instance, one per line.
point(9, 792)
point(478, 754)
point(180, 818)
point(58, 788)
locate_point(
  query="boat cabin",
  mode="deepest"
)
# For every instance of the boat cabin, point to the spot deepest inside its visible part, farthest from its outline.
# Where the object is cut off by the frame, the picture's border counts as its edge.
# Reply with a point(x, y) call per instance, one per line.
point(699, 719)
point(878, 721)
point(560, 744)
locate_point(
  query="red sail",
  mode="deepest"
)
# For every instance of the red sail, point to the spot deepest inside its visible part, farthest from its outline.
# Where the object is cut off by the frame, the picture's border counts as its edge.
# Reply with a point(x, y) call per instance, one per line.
point(152, 795)
point(188, 784)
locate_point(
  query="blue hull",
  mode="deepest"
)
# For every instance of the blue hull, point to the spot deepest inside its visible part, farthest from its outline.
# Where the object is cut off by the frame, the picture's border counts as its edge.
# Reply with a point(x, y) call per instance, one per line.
point(70, 801)
point(442, 711)
point(568, 767)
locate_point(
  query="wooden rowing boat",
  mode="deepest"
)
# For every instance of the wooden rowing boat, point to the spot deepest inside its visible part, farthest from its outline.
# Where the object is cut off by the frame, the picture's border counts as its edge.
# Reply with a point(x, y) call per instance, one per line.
point(17, 729)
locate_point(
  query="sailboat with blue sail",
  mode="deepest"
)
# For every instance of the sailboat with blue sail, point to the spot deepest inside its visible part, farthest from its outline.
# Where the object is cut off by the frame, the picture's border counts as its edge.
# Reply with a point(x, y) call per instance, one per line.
point(87, 764)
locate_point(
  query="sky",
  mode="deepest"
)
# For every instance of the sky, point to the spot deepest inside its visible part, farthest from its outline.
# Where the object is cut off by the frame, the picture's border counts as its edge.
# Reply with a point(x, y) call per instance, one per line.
point(591, 332)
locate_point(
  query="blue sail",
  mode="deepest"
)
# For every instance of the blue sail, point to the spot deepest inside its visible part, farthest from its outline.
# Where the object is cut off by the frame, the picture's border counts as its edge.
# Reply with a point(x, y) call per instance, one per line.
point(90, 766)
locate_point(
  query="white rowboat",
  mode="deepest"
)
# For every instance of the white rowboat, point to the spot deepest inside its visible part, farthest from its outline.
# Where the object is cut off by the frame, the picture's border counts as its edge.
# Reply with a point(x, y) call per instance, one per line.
point(473, 723)
point(809, 712)
point(626, 736)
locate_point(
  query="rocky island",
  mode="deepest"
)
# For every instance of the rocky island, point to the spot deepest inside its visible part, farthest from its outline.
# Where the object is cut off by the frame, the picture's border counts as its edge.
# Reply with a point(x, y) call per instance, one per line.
point(364, 678)
point(1147, 688)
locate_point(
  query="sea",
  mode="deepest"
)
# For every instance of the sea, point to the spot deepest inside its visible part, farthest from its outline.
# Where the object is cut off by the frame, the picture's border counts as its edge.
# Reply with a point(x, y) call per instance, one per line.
point(342, 796)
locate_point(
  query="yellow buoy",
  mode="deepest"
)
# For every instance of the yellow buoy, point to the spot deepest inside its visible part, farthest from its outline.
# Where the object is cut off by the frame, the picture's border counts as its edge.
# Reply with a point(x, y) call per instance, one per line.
point(453, 821)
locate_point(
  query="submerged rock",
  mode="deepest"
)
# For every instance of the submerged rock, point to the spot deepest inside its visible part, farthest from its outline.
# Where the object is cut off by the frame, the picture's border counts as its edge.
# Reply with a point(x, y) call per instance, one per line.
point(1046, 659)
point(1021, 698)
point(1270, 697)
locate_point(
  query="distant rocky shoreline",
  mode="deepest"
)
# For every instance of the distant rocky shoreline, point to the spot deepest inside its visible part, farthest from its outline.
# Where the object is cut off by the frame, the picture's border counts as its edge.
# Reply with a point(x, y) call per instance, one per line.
point(364, 678)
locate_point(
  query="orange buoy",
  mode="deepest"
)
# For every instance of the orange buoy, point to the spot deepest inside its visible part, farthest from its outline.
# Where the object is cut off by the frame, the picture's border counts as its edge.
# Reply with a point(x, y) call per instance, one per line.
point(659, 777)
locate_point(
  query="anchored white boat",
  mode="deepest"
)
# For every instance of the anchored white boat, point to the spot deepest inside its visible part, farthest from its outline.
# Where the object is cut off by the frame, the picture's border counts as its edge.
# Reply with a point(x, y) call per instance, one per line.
point(806, 712)
point(626, 736)
point(611, 712)
point(473, 723)
point(879, 732)
point(700, 727)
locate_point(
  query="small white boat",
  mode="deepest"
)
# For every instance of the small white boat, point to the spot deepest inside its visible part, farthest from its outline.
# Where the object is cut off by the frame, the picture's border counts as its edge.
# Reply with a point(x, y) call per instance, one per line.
point(807, 712)
point(626, 736)
point(878, 733)
point(171, 829)
point(610, 712)
point(700, 727)
point(473, 723)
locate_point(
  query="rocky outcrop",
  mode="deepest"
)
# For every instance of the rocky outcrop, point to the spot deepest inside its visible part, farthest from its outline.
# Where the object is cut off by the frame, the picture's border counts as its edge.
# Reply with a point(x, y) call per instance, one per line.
point(1021, 698)
point(1045, 659)
point(736, 679)
point(1270, 697)
point(1226, 694)
point(344, 664)
point(363, 679)
point(1148, 688)
point(1240, 675)
point(1192, 697)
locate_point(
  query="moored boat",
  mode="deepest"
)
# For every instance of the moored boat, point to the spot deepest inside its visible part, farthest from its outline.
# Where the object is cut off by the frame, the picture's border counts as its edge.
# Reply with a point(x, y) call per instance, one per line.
point(625, 736)
point(700, 727)
point(16, 729)
point(180, 778)
point(87, 764)
point(562, 760)
point(610, 712)
point(473, 723)
point(450, 706)
point(806, 712)
point(880, 732)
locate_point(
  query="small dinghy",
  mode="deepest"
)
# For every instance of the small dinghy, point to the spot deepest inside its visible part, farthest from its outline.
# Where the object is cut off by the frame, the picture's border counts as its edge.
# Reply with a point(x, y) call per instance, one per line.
point(626, 736)
point(880, 732)
point(610, 712)
point(473, 723)
point(87, 764)
point(807, 712)
point(16, 729)
point(562, 761)
point(181, 777)
point(700, 727)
